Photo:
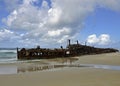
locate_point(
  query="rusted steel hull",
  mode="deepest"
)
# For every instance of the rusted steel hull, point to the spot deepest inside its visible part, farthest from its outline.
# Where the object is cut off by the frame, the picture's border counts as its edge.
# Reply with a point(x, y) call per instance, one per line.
point(40, 54)
point(71, 50)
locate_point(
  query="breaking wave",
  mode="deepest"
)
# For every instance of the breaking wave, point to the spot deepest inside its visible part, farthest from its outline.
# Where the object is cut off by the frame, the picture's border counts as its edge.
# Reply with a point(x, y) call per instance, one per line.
point(8, 55)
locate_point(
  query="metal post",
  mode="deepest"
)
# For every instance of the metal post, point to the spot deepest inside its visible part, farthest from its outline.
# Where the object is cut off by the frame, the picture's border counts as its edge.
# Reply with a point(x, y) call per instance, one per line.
point(17, 53)
point(68, 42)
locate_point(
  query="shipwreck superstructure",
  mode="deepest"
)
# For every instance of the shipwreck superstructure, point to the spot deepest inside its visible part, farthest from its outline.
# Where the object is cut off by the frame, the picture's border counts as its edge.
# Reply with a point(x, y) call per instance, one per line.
point(71, 50)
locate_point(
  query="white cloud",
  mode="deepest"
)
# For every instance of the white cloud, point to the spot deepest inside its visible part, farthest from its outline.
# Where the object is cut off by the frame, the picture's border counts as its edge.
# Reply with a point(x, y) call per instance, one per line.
point(58, 32)
point(45, 4)
point(54, 15)
point(7, 35)
point(92, 39)
point(103, 39)
point(57, 23)
point(110, 4)
point(11, 18)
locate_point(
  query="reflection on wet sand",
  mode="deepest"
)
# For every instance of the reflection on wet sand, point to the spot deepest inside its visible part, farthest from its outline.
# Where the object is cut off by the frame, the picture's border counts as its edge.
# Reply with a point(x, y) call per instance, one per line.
point(35, 65)
point(52, 64)
point(49, 65)
point(45, 67)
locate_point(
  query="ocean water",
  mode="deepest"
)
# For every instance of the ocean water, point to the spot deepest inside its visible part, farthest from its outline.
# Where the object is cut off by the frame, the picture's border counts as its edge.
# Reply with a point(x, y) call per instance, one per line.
point(8, 55)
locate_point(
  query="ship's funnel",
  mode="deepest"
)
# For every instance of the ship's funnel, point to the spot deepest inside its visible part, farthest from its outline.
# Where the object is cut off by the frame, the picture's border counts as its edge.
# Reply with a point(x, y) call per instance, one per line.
point(77, 42)
point(68, 42)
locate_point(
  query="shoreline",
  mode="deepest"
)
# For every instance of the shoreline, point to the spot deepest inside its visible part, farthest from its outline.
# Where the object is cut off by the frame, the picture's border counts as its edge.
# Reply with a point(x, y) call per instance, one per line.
point(65, 75)
point(93, 61)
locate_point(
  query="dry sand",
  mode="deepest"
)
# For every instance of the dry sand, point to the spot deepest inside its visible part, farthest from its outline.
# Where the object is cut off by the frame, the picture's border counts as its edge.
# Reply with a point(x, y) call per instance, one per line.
point(105, 59)
point(73, 76)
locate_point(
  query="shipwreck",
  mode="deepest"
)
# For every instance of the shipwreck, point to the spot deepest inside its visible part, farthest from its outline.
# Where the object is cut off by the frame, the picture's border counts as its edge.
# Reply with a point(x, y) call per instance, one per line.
point(71, 50)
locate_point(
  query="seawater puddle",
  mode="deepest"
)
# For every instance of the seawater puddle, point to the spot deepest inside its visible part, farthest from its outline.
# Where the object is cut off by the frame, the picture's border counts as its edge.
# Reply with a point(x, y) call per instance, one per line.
point(14, 69)
point(108, 67)
point(5, 69)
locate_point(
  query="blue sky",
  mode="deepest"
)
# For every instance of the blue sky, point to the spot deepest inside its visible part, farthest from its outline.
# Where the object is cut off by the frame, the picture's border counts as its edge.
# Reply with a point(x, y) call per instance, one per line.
point(103, 21)
point(49, 23)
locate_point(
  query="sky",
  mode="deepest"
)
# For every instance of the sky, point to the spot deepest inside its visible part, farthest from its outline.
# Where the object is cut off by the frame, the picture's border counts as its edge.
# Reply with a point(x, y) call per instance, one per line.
point(50, 23)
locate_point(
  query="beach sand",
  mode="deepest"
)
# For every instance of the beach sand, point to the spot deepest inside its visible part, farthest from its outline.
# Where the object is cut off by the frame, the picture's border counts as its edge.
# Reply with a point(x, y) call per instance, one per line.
point(104, 59)
point(69, 76)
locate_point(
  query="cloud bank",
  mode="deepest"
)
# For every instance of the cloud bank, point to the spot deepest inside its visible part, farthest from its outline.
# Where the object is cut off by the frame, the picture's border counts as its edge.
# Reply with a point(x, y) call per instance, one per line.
point(103, 39)
point(55, 22)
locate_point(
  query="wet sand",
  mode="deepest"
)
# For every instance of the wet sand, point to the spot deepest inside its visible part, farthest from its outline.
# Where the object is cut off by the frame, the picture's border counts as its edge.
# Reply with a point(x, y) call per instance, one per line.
point(68, 76)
